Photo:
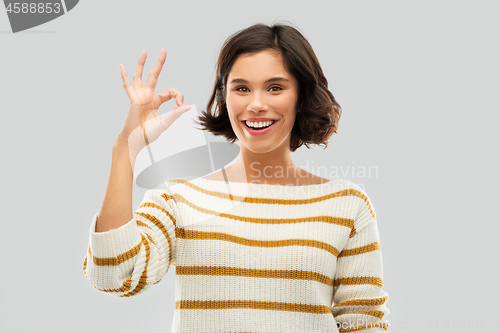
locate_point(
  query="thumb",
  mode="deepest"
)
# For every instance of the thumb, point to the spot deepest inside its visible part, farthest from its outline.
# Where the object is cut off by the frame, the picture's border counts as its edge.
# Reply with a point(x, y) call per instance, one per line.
point(173, 115)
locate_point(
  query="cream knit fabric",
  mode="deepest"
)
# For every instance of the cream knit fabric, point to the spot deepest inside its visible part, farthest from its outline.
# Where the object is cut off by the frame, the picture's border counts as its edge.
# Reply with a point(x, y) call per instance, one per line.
point(250, 257)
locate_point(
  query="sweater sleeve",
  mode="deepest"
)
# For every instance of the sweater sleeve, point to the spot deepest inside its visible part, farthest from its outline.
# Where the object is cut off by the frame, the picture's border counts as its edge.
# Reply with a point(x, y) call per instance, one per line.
point(128, 260)
point(359, 300)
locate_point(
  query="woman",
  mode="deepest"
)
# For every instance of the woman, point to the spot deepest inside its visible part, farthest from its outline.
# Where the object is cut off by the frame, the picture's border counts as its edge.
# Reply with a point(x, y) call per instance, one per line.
point(252, 253)
point(261, 78)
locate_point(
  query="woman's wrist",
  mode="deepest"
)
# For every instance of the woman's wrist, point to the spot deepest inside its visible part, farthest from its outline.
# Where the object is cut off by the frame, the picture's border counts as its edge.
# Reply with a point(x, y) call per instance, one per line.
point(121, 147)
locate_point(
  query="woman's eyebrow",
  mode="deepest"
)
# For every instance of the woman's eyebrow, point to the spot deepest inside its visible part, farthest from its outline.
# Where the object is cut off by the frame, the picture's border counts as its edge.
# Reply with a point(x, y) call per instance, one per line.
point(274, 79)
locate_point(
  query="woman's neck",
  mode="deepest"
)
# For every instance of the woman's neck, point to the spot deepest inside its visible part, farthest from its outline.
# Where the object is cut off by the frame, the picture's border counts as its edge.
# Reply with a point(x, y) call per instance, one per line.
point(267, 171)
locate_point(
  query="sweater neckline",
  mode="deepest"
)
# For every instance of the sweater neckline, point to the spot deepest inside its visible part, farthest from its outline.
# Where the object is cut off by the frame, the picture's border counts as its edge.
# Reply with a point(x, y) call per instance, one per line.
point(268, 190)
point(240, 184)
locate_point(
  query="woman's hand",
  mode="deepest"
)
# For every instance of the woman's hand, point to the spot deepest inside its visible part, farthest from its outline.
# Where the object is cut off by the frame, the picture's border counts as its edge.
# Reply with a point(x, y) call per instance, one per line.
point(143, 125)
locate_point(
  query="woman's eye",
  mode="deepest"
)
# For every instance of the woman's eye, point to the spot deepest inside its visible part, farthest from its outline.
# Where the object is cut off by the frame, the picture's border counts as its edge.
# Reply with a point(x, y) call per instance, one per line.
point(275, 88)
point(242, 89)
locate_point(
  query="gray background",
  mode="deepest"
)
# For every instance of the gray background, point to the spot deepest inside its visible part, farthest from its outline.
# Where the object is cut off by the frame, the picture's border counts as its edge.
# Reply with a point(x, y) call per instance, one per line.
point(418, 82)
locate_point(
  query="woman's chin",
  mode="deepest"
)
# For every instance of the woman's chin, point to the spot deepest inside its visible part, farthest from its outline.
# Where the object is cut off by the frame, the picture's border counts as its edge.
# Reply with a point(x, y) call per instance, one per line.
point(260, 149)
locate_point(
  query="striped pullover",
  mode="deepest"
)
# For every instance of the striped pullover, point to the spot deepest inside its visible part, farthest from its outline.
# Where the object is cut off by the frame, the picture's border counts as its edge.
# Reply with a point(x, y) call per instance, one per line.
point(250, 257)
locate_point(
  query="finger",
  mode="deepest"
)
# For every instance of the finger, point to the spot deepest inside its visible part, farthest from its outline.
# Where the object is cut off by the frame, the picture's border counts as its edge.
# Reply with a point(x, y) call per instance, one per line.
point(173, 115)
point(137, 78)
point(126, 82)
point(179, 98)
point(155, 72)
point(171, 93)
point(178, 110)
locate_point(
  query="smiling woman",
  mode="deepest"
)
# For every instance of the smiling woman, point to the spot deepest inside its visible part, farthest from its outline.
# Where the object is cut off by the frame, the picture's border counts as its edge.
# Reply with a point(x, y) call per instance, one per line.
point(294, 59)
point(270, 76)
point(251, 252)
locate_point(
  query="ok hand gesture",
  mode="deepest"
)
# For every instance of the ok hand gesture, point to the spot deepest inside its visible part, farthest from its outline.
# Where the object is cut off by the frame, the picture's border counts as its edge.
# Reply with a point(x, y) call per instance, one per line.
point(143, 125)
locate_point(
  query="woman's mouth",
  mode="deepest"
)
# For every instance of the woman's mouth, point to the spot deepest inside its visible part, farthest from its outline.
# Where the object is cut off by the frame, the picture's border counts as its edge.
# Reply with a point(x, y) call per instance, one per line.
point(259, 131)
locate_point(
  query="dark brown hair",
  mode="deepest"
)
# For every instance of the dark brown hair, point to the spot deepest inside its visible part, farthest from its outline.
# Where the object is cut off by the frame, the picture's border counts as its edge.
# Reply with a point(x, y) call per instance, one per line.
point(318, 112)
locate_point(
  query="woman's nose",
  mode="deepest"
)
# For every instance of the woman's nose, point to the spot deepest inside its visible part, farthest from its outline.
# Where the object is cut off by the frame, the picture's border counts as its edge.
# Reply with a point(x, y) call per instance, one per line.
point(257, 102)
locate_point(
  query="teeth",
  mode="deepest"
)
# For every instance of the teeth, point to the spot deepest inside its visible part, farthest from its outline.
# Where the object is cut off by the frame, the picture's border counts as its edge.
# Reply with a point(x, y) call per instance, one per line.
point(259, 124)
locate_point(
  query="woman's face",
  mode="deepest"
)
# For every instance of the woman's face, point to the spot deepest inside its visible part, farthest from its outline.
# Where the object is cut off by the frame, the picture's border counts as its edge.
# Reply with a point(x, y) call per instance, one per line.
point(259, 88)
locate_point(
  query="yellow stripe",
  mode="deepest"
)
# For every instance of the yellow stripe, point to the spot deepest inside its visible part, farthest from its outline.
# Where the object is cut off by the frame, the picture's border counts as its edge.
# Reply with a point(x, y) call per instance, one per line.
point(150, 239)
point(349, 223)
point(363, 302)
point(248, 304)
point(193, 234)
point(142, 224)
point(115, 261)
point(160, 226)
point(85, 264)
point(384, 326)
point(359, 250)
point(374, 313)
point(258, 273)
point(343, 193)
point(359, 280)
